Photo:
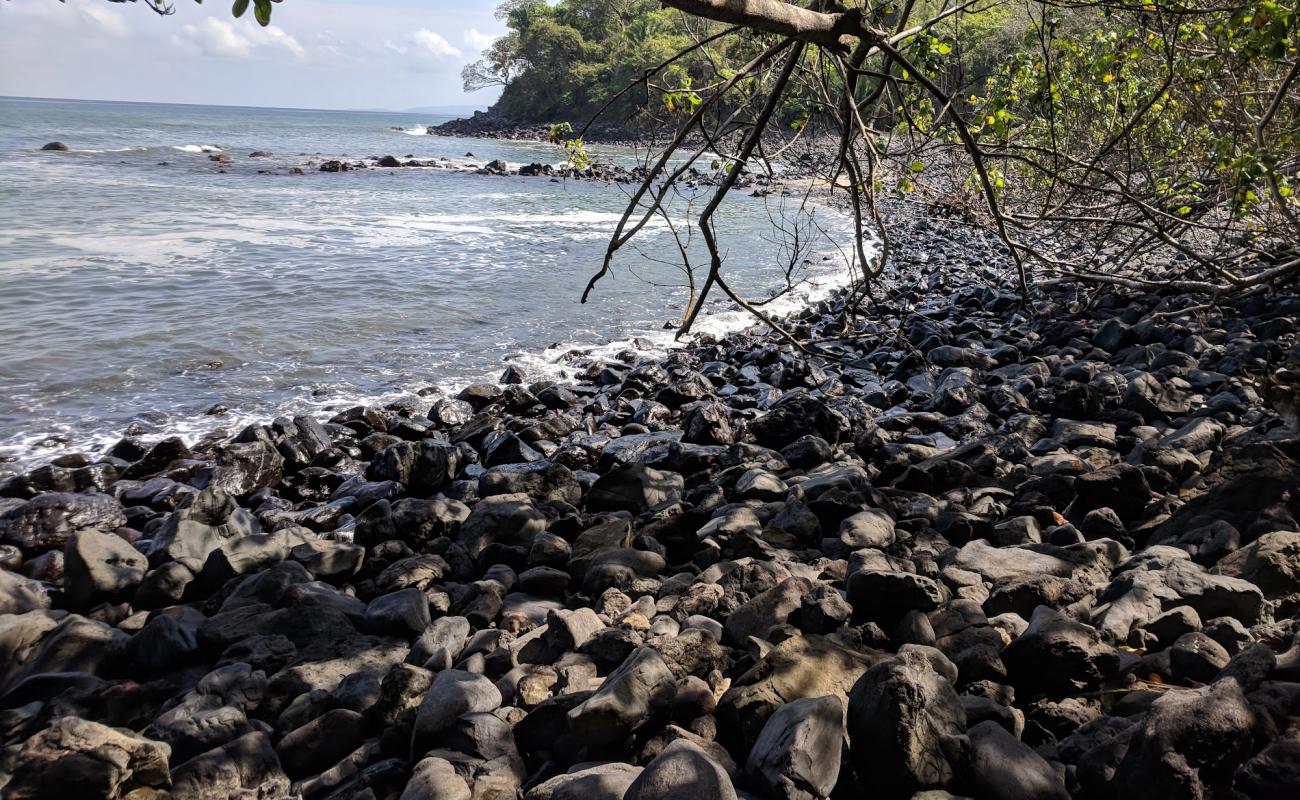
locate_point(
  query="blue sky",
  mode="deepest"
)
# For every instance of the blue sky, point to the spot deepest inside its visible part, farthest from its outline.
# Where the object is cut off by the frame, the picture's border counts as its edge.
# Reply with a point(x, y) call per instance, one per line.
point(316, 53)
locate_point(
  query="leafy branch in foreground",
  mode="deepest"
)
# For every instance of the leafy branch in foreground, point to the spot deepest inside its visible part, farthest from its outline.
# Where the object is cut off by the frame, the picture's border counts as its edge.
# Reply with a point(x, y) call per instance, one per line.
point(1146, 144)
point(261, 8)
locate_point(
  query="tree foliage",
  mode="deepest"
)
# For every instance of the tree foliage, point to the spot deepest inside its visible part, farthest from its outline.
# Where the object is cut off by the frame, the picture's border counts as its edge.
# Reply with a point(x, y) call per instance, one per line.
point(566, 60)
point(1142, 142)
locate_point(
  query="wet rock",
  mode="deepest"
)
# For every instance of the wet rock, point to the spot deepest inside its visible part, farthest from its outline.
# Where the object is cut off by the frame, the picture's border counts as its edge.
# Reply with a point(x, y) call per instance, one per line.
point(795, 416)
point(543, 481)
point(244, 467)
point(56, 146)
point(422, 467)
point(49, 520)
point(707, 423)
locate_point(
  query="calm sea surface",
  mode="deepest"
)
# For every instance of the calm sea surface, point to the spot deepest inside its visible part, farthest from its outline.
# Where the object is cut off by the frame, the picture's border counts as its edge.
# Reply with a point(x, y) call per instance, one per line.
point(143, 282)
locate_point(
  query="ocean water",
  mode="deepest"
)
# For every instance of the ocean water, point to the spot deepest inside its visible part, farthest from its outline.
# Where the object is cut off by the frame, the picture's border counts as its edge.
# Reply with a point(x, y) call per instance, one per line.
point(142, 282)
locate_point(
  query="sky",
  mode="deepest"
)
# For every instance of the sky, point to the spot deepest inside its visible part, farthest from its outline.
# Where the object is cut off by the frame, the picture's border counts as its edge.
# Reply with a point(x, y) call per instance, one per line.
point(382, 54)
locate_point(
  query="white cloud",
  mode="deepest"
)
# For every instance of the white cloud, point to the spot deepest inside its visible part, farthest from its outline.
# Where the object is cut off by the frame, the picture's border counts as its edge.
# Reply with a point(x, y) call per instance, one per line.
point(277, 37)
point(107, 20)
point(322, 53)
point(478, 40)
point(220, 38)
point(435, 43)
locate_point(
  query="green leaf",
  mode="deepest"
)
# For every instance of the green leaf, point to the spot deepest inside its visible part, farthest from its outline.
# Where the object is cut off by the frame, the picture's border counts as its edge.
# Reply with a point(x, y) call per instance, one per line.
point(239, 8)
point(917, 166)
point(262, 12)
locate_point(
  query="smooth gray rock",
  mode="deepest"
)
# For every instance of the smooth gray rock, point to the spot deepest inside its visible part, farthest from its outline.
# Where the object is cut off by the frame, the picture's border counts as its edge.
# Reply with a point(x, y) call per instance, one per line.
point(907, 727)
point(683, 771)
point(507, 518)
point(401, 613)
point(452, 694)
point(599, 782)
point(193, 531)
point(797, 756)
point(635, 488)
point(641, 688)
point(871, 528)
point(1004, 768)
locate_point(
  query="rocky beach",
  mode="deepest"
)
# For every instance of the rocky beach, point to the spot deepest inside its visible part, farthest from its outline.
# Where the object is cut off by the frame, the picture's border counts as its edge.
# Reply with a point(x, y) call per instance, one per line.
point(959, 549)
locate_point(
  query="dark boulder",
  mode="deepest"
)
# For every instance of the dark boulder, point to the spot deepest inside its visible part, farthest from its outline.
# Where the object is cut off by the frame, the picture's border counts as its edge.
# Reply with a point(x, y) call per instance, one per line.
point(50, 520)
point(635, 488)
point(795, 416)
point(1058, 656)
point(100, 566)
point(907, 727)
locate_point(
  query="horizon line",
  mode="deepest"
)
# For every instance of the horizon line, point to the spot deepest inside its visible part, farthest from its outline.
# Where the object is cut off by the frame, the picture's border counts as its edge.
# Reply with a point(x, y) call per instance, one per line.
point(471, 108)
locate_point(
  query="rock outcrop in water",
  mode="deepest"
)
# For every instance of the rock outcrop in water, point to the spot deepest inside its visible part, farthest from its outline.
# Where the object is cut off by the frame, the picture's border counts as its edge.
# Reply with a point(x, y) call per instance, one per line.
point(962, 551)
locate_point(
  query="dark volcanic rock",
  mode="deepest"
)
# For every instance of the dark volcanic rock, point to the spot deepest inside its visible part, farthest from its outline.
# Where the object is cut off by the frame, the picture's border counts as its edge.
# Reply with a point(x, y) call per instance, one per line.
point(992, 553)
point(635, 488)
point(204, 524)
point(1058, 656)
point(49, 520)
point(796, 416)
point(907, 729)
point(100, 566)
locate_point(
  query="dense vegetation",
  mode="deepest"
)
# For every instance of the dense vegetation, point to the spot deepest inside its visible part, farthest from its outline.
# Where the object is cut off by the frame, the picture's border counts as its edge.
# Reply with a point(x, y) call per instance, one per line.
point(563, 61)
point(559, 62)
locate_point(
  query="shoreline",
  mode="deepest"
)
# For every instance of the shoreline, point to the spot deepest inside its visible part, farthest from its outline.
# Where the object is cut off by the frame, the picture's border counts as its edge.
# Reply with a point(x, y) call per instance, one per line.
point(49, 447)
point(1041, 540)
